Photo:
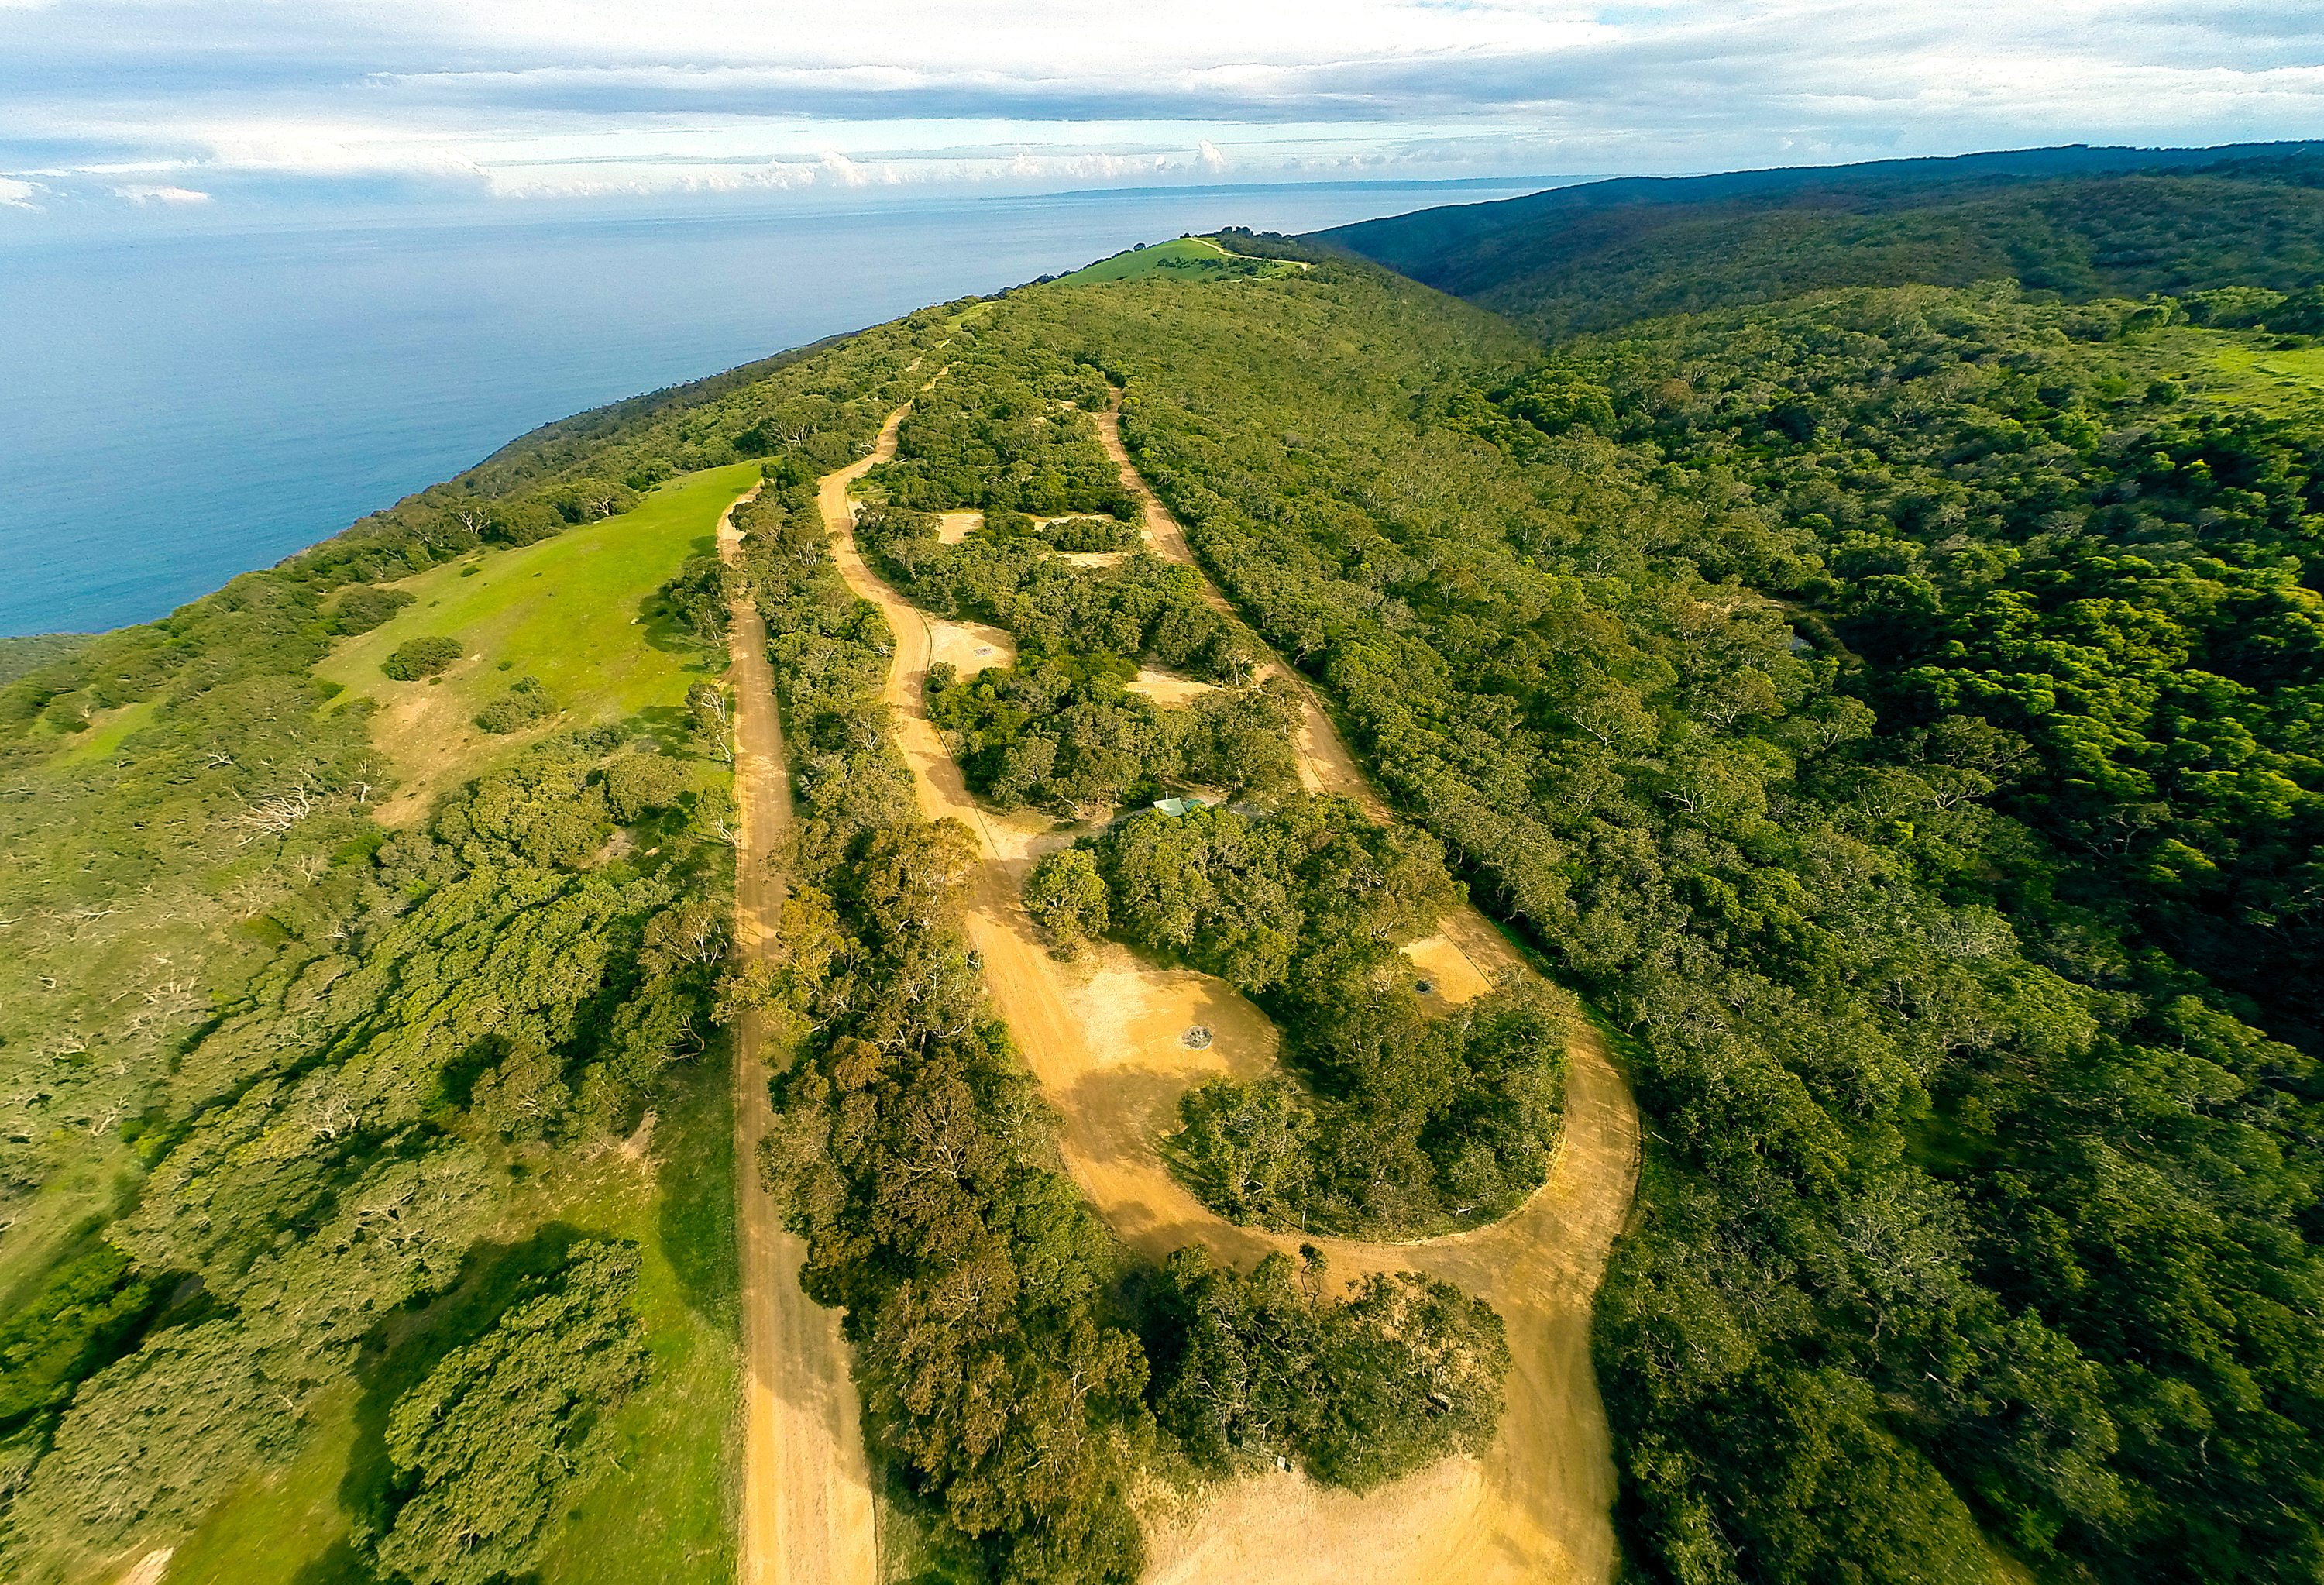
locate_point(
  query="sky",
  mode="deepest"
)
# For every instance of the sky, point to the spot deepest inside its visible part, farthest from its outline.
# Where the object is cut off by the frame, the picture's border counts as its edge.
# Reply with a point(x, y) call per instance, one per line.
point(201, 111)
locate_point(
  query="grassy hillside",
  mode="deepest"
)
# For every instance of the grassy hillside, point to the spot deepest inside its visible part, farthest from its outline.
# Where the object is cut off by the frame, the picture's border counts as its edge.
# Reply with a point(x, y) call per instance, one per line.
point(2083, 222)
point(347, 1043)
point(1186, 258)
point(578, 613)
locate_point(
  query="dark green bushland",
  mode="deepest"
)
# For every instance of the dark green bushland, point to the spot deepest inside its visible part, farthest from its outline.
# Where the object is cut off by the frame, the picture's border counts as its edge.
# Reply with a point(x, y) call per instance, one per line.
point(1974, 1199)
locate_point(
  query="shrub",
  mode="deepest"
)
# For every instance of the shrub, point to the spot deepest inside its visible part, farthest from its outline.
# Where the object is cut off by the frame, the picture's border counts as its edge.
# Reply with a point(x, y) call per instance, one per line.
point(417, 658)
point(520, 707)
point(363, 607)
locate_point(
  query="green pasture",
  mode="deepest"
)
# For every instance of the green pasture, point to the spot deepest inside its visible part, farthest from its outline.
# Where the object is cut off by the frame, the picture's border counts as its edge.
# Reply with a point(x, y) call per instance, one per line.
point(574, 611)
point(1186, 258)
point(2255, 373)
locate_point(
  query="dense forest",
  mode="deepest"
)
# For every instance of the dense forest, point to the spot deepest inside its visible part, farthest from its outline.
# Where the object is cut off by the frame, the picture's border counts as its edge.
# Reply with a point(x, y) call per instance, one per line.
point(2083, 222)
point(1880, 665)
point(1982, 1206)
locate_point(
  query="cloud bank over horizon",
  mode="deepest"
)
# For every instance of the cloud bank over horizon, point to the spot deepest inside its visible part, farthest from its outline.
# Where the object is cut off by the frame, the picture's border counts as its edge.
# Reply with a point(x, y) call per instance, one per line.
point(261, 107)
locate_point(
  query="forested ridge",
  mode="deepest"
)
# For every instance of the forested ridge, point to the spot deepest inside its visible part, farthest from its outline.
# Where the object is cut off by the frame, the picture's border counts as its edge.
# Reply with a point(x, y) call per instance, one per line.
point(1391, 1124)
point(1979, 1206)
point(2086, 223)
point(1891, 694)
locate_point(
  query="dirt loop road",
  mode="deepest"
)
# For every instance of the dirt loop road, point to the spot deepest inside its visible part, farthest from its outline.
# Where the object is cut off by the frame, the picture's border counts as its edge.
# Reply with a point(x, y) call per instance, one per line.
point(1535, 1507)
point(806, 1515)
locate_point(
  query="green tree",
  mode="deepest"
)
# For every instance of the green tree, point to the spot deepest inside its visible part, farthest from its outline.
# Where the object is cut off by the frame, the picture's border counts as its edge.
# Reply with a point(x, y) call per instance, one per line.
point(1067, 898)
point(417, 658)
point(490, 1449)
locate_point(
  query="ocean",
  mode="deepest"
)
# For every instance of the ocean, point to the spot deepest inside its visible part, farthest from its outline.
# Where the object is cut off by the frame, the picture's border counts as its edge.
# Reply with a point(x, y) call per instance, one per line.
point(178, 410)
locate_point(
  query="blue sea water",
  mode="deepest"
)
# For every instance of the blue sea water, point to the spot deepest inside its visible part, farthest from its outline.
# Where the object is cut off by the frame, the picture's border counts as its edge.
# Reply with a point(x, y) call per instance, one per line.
point(175, 410)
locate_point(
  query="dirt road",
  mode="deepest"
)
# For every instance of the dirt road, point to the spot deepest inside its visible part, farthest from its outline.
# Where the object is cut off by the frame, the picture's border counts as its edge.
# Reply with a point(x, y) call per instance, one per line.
point(1103, 1038)
point(806, 1515)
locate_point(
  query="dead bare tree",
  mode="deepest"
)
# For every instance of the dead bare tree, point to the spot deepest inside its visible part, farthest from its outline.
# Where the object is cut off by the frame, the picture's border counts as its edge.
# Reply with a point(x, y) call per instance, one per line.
point(274, 816)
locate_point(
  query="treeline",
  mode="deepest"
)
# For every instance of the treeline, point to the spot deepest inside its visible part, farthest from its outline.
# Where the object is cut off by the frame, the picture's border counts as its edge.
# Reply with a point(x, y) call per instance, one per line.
point(1944, 1241)
point(1000, 1375)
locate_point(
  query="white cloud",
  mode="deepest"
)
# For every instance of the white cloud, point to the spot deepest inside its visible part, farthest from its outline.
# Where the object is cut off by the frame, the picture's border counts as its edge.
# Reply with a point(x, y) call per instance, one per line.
point(161, 194)
point(19, 195)
point(432, 100)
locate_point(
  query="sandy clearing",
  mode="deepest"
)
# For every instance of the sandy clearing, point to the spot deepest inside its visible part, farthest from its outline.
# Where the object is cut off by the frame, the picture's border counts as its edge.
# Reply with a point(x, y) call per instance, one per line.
point(436, 743)
point(1167, 689)
point(1103, 1039)
point(953, 527)
point(1094, 557)
point(807, 1513)
point(150, 1567)
point(969, 645)
point(1451, 977)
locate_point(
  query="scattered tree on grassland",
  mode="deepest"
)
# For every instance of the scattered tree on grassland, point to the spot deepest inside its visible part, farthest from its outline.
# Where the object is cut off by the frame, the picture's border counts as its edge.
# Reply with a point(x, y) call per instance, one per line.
point(525, 703)
point(425, 657)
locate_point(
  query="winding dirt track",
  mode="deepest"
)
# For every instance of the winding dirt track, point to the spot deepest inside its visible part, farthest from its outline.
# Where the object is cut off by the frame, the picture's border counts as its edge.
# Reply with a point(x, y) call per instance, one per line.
point(807, 1516)
point(1535, 1506)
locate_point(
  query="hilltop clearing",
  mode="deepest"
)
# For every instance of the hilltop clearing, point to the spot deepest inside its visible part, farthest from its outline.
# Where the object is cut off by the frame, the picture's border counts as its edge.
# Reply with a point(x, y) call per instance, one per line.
point(1186, 259)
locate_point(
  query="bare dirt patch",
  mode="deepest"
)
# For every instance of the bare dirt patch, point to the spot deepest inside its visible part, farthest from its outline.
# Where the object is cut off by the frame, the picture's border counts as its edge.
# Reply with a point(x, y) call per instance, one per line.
point(150, 1567)
point(1167, 689)
point(969, 645)
point(953, 527)
point(436, 743)
point(1451, 977)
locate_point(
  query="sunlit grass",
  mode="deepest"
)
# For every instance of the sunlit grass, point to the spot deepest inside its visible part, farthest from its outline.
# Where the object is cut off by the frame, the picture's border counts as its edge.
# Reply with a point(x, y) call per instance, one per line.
point(1185, 258)
point(573, 611)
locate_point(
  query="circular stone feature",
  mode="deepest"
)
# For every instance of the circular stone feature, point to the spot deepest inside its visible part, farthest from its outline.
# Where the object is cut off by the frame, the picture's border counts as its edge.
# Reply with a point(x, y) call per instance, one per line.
point(1426, 987)
point(1199, 1036)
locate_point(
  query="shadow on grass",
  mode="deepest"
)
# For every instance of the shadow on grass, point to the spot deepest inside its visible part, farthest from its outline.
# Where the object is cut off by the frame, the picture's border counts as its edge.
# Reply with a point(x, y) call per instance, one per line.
point(671, 727)
point(696, 1216)
point(664, 629)
point(397, 1357)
